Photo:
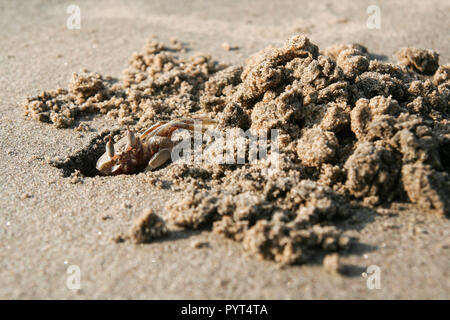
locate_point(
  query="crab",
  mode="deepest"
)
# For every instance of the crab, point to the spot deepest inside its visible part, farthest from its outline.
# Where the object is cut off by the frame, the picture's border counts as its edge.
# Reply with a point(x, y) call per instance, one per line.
point(150, 150)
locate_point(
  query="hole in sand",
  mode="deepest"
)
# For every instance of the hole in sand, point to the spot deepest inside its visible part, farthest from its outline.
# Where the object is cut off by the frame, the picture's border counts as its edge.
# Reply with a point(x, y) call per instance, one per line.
point(444, 154)
point(84, 160)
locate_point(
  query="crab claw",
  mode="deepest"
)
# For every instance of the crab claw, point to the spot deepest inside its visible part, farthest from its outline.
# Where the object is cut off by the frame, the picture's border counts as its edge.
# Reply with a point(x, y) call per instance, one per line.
point(110, 147)
point(159, 159)
point(131, 139)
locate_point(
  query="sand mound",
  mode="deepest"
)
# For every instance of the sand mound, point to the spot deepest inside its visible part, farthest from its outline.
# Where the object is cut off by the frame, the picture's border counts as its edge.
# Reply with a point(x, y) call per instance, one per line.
point(354, 133)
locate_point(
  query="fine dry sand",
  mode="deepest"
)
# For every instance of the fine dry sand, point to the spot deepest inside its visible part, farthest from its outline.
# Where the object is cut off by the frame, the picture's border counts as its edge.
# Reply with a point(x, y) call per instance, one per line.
point(48, 222)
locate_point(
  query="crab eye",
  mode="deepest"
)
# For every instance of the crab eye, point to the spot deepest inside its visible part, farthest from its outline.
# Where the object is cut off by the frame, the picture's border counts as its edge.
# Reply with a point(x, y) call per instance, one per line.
point(131, 139)
point(110, 148)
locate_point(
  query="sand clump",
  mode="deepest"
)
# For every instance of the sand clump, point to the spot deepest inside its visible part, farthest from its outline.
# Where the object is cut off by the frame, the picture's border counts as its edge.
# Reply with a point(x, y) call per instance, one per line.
point(354, 133)
point(423, 61)
point(147, 228)
point(200, 244)
point(156, 85)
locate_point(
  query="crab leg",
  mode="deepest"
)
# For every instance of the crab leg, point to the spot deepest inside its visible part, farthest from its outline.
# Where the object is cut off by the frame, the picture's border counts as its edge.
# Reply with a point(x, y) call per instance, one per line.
point(153, 128)
point(167, 129)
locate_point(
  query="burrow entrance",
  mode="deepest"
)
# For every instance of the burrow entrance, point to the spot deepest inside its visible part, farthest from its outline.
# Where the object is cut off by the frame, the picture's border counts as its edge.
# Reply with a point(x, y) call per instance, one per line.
point(84, 160)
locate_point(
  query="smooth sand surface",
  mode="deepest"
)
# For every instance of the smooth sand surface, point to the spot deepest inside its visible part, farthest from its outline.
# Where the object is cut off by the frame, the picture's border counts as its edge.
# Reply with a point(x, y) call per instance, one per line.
point(62, 224)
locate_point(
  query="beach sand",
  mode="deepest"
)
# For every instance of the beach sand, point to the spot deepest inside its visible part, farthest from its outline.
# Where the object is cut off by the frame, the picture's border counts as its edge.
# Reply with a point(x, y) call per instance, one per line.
point(48, 223)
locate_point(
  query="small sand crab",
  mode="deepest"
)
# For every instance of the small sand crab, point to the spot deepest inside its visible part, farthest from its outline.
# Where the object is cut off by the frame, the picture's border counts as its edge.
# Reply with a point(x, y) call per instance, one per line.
point(150, 150)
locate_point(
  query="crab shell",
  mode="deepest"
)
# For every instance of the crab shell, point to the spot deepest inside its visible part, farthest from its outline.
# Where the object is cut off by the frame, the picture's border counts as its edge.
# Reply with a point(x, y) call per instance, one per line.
point(151, 149)
point(132, 159)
